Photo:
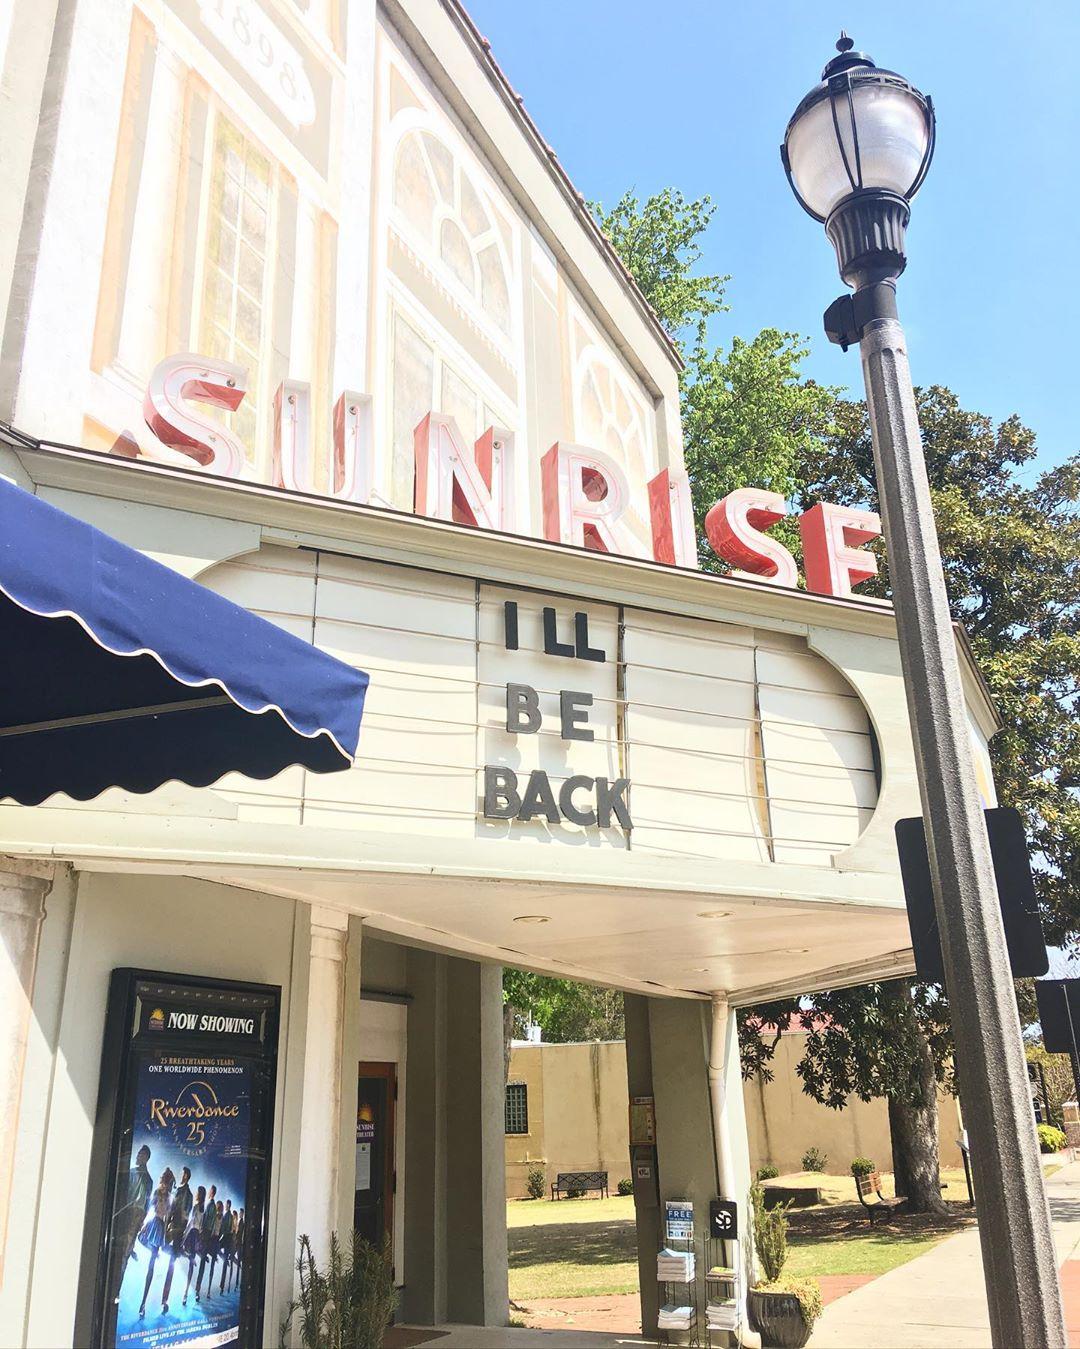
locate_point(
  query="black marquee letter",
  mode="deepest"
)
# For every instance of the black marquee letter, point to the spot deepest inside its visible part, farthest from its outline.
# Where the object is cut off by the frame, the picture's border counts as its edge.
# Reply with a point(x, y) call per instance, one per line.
point(501, 800)
point(522, 710)
point(566, 800)
point(574, 717)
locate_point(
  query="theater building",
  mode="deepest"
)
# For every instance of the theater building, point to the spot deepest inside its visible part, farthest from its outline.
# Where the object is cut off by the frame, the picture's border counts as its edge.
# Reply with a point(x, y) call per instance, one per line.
point(298, 301)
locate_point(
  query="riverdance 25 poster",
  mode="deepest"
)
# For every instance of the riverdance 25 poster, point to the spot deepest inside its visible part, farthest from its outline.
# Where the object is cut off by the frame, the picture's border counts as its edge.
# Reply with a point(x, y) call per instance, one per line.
point(180, 1283)
point(185, 1252)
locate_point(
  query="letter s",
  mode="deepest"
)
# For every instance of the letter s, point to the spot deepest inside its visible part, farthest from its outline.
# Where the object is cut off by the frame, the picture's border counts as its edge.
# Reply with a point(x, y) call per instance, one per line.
point(734, 529)
point(180, 427)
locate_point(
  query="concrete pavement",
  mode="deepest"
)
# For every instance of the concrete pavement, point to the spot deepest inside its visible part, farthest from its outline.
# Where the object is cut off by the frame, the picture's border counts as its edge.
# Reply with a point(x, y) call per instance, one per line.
point(938, 1299)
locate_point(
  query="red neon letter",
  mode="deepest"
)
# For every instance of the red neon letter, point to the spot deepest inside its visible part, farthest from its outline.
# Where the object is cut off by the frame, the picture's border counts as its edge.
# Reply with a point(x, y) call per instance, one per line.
point(672, 514)
point(832, 555)
point(452, 484)
point(180, 427)
point(584, 497)
point(353, 470)
point(734, 529)
point(291, 465)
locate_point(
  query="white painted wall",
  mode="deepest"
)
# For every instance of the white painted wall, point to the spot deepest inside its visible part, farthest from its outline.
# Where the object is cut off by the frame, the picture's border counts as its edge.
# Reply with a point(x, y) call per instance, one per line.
point(100, 923)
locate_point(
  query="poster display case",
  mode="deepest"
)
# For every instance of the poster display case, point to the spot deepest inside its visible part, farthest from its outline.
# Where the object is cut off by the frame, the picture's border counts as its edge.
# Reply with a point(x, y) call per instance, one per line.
point(182, 1145)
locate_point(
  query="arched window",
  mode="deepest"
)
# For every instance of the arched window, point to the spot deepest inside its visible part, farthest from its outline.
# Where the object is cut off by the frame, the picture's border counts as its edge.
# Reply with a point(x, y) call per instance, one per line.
point(607, 416)
point(434, 193)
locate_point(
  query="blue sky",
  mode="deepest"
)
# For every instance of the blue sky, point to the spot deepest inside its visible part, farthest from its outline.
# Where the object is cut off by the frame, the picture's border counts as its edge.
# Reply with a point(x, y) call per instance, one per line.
point(696, 94)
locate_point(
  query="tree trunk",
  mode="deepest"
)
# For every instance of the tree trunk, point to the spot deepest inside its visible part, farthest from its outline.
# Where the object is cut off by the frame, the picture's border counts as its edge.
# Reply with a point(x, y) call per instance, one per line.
point(914, 1130)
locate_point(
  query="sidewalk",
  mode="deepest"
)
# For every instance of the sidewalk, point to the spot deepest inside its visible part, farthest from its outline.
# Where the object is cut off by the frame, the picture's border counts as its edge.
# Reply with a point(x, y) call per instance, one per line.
point(939, 1298)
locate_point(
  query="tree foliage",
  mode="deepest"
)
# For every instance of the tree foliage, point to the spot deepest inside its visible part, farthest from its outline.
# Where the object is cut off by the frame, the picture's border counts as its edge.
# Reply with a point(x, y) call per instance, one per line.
point(1011, 547)
point(1010, 542)
point(564, 1009)
point(749, 415)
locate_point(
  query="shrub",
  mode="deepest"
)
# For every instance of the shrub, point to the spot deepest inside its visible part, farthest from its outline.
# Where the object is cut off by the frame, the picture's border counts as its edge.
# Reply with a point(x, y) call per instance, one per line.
point(862, 1166)
point(575, 1194)
point(767, 1172)
point(1051, 1139)
point(536, 1182)
point(347, 1305)
point(806, 1290)
point(626, 1186)
point(770, 1232)
point(813, 1159)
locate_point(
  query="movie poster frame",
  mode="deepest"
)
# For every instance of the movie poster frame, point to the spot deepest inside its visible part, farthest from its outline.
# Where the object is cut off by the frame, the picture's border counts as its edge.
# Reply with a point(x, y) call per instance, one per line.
point(116, 1091)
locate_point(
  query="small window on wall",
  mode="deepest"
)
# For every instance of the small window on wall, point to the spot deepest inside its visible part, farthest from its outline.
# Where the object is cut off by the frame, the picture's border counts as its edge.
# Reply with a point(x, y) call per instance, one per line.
point(517, 1108)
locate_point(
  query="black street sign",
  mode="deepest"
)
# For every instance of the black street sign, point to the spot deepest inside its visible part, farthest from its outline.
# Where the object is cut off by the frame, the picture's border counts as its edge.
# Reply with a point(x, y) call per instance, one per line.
point(1016, 895)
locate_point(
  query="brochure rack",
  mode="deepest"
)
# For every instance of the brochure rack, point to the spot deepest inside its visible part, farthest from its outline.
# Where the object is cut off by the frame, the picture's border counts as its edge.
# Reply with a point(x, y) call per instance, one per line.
point(723, 1290)
point(676, 1269)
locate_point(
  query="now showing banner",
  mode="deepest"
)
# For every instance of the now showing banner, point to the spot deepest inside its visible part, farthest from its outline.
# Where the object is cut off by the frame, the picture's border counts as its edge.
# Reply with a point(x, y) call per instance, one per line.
point(190, 1067)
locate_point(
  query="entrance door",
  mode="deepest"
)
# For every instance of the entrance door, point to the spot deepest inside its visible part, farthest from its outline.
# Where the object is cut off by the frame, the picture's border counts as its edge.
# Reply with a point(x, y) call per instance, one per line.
point(373, 1209)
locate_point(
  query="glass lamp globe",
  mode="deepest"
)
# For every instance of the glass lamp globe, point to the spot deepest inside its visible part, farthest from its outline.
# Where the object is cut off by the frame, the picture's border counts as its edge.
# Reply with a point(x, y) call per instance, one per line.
point(860, 130)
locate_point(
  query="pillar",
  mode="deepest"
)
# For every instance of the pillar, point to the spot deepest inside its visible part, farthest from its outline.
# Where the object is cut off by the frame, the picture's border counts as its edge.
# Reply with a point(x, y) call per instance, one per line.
point(23, 887)
point(317, 1209)
point(639, 1082)
point(455, 1193)
point(685, 1054)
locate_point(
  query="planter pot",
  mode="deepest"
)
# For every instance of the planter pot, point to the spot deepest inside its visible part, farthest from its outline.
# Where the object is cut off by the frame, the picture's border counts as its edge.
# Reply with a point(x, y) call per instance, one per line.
point(778, 1318)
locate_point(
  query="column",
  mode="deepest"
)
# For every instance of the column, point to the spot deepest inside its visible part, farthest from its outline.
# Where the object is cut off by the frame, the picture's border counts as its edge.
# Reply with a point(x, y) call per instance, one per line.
point(149, 261)
point(639, 1082)
point(320, 1119)
point(731, 1142)
point(690, 1060)
point(23, 887)
point(455, 1195)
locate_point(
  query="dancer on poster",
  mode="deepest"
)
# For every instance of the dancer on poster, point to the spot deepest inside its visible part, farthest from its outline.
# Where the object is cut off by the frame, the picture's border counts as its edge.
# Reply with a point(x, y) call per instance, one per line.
point(175, 1227)
point(193, 1117)
point(192, 1242)
point(152, 1235)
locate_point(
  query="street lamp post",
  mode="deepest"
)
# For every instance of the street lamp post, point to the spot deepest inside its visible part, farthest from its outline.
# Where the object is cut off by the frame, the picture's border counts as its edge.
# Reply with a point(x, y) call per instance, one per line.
point(856, 151)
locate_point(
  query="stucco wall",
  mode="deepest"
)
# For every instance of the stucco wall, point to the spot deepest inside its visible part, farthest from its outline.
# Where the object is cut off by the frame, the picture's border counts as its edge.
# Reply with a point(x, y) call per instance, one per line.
point(577, 1097)
point(783, 1121)
point(577, 1112)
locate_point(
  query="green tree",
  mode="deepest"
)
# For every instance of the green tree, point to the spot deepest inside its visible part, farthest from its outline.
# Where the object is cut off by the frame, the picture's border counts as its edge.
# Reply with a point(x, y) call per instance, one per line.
point(564, 1009)
point(1011, 549)
point(749, 415)
point(889, 1040)
point(1012, 560)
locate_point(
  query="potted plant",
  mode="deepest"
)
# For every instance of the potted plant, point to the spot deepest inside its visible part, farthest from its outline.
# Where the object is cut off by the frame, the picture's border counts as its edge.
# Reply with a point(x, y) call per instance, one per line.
point(346, 1304)
point(782, 1311)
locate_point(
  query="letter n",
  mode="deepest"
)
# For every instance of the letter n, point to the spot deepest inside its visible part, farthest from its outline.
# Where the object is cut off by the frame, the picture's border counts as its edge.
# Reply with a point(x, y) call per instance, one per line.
point(453, 483)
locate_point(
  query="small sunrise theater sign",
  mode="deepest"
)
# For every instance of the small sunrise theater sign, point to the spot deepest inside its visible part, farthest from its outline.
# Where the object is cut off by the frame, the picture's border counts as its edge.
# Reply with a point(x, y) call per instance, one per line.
point(585, 492)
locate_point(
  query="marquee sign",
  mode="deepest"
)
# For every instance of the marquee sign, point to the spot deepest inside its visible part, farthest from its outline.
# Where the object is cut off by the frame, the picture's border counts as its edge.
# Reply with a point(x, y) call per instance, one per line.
point(580, 799)
point(585, 492)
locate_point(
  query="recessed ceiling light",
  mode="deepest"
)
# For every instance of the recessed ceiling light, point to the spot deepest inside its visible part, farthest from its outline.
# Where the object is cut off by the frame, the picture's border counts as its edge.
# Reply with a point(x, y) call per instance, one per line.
point(700, 969)
point(715, 913)
point(532, 918)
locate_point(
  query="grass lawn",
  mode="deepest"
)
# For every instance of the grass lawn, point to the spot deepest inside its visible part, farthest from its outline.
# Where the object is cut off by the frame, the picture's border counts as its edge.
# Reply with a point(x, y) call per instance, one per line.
point(587, 1248)
point(835, 1237)
point(571, 1247)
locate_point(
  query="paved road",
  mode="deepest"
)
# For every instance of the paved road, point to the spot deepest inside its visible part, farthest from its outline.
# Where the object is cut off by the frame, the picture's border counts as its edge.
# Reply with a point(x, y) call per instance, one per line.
point(938, 1299)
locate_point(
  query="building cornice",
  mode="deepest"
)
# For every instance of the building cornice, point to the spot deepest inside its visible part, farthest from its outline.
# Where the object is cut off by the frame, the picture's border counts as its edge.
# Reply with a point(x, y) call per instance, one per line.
point(297, 519)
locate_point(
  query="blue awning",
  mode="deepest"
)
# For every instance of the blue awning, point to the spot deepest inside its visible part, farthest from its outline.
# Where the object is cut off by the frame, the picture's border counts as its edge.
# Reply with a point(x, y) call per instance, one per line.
point(117, 671)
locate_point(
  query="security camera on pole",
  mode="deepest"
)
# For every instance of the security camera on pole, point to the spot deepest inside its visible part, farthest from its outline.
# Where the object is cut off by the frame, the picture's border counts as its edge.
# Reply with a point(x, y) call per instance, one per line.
point(856, 151)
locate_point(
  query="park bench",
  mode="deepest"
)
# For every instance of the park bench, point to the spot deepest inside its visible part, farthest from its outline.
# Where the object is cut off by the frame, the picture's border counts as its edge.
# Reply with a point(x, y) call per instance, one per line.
point(574, 1182)
point(878, 1209)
